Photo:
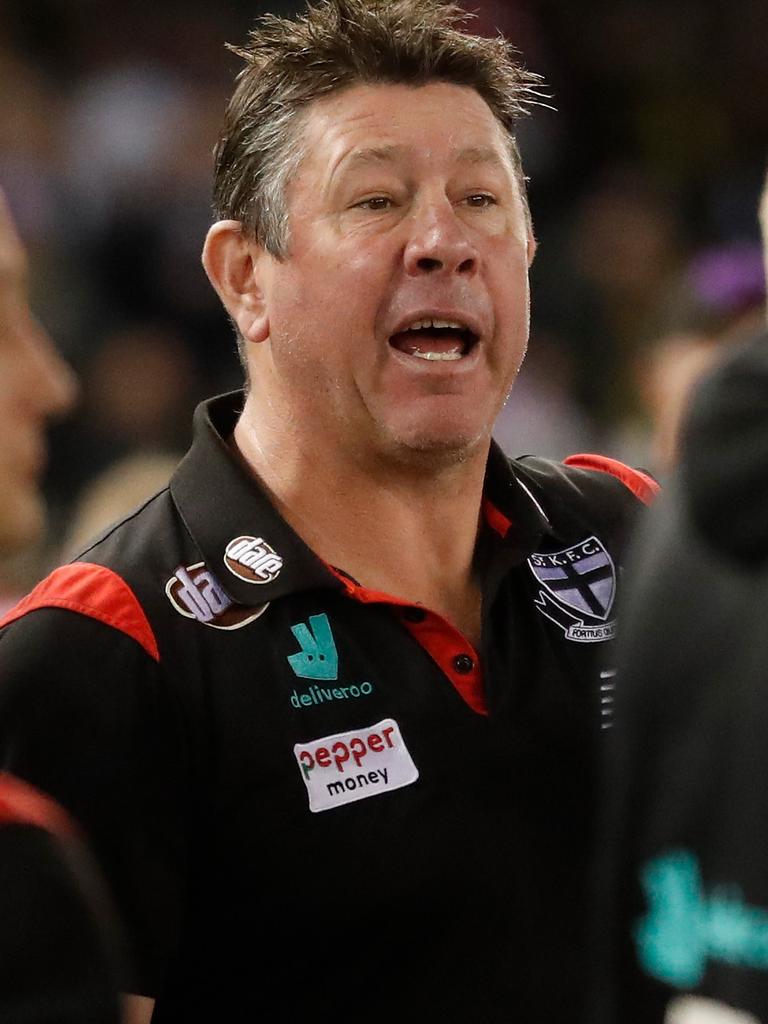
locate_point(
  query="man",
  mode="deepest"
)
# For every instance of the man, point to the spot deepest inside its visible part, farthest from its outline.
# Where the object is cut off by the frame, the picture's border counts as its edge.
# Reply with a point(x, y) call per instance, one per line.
point(58, 947)
point(329, 705)
point(683, 889)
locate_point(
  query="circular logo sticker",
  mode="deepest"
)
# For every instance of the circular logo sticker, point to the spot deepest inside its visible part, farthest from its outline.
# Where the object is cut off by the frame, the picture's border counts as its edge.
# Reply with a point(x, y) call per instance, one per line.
point(195, 593)
point(252, 559)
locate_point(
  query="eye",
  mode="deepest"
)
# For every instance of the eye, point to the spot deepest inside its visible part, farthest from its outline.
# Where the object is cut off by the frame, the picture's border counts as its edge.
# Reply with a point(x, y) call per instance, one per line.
point(375, 203)
point(480, 200)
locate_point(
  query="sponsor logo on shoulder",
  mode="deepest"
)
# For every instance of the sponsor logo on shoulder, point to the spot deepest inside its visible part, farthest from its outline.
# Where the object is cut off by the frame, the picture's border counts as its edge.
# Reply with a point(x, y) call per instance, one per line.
point(578, 589)
point(252, 559)
point(354, 765)
point(195, 593)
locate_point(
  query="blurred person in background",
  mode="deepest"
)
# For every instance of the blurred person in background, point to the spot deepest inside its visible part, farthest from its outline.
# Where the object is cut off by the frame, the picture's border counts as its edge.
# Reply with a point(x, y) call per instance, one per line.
point(138, 388)
point(713, 304)
point(58, 943)
point(114, 493)
point(330, 704)
point(35, 384)
point(542, 414)
point(682, 881)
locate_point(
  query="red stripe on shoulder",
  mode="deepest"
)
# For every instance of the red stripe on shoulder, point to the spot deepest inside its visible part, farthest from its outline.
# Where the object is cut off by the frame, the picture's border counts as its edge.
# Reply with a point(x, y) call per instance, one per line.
point(94, 591)
point(641, 484)
point(22, 804)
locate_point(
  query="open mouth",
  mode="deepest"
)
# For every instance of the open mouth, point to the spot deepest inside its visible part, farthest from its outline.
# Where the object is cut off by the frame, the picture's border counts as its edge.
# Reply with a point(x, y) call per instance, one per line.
point(436, 340)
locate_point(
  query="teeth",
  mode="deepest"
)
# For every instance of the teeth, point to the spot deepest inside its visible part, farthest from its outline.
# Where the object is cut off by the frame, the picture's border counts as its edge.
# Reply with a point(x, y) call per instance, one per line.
point(419, 325)
point(442, 356)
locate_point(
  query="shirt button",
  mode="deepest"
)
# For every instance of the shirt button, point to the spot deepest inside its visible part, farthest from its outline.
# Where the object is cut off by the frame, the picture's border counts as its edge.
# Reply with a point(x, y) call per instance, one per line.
point(414, 614)
point(463, 663)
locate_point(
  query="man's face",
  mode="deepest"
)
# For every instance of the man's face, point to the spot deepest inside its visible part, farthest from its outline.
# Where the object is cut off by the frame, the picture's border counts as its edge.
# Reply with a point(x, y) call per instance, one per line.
point(399, 320)
point(34, 383)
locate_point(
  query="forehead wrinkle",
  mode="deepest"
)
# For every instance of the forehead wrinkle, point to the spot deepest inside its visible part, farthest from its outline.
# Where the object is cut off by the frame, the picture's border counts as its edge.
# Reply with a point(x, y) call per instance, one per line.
point(390, 154)
point(366, 156)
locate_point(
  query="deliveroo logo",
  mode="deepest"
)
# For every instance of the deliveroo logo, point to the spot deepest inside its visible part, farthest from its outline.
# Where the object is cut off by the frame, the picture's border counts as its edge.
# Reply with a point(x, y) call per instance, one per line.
point(317, 658)
point(685, 926)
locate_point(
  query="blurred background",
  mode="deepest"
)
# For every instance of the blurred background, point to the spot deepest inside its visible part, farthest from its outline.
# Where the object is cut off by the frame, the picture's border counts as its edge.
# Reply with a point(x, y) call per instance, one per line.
point(644, 183)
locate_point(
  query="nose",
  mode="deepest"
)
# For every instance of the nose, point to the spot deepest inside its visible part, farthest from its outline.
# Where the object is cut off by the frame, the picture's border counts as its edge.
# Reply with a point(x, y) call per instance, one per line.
point(438, 242)
point(45, 383)
point(52, 383)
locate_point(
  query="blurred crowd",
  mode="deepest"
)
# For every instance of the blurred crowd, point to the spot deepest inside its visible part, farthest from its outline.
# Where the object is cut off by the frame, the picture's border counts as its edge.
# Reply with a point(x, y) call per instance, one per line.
point(645, 161)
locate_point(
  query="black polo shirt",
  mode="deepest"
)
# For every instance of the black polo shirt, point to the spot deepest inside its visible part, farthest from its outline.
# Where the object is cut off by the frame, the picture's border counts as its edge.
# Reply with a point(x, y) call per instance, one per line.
point(316, 798)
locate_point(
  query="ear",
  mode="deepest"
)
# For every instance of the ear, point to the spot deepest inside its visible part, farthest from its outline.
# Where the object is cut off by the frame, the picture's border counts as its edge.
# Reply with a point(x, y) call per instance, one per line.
point(234, 268)
point(532, 246)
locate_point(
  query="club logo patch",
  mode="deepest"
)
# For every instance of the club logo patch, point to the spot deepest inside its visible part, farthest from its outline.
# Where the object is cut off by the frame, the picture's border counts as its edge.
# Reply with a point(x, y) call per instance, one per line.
point(195, 593)
point(253, 560)
point(354, 765)
point(578, 589)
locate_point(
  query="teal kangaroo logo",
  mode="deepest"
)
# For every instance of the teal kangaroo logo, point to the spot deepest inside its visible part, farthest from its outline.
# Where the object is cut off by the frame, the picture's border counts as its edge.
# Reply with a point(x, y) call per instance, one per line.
point(685, 925)
point(317, 658)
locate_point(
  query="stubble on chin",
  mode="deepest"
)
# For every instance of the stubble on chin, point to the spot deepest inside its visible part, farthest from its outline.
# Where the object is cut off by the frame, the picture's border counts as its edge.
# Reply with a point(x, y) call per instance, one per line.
point(427, 454)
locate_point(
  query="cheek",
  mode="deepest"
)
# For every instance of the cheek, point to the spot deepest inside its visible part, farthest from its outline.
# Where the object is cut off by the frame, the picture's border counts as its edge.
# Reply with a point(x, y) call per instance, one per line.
point(510, 284)
point(340, 292)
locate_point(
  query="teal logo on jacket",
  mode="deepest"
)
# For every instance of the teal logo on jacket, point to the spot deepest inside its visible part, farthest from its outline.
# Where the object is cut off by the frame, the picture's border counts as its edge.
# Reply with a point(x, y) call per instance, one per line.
point(685, 925)
point(318, 658)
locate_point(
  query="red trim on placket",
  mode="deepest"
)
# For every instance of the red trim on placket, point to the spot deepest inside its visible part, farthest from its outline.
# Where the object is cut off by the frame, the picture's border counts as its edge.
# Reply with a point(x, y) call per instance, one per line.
point(22, 804)
point(442, 642)
point(641, 484)
point(95, 591)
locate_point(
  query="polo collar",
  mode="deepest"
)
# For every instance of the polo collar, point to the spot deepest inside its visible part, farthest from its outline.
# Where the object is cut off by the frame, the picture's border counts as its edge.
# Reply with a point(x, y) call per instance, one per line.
point(507, 492)
point(219, 501)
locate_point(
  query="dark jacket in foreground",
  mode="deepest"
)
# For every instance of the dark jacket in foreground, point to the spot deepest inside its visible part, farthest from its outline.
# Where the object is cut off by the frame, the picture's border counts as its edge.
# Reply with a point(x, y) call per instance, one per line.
point(59, 947)
point(683, 887)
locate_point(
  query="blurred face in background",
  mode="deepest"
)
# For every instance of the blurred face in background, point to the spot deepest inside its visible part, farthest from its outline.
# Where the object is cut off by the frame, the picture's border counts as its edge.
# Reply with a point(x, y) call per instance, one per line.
point(35, 384)
point(763, 213)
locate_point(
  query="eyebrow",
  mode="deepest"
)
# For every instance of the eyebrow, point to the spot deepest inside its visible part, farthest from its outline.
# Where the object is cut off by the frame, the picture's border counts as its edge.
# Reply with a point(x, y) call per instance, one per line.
point(389, 154)
point(479, 155)
point(373, 155)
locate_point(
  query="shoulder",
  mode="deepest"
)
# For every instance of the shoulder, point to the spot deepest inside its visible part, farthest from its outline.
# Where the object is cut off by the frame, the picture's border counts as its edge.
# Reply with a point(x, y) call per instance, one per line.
point(589, 474)
point(22, 804)
point(110, 588)
point(585, 490)
point(94, 592)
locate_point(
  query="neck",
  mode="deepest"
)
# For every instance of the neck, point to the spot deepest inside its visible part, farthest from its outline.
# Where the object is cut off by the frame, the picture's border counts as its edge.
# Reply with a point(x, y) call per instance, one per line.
point(404, 530)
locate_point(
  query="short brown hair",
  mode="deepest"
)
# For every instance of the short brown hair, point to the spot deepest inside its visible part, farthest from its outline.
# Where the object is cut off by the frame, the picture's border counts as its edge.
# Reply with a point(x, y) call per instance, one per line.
point(336, 44)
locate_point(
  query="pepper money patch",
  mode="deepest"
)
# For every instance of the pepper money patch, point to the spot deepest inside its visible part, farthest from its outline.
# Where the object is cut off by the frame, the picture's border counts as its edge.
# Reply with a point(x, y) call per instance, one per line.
point(354, 765)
